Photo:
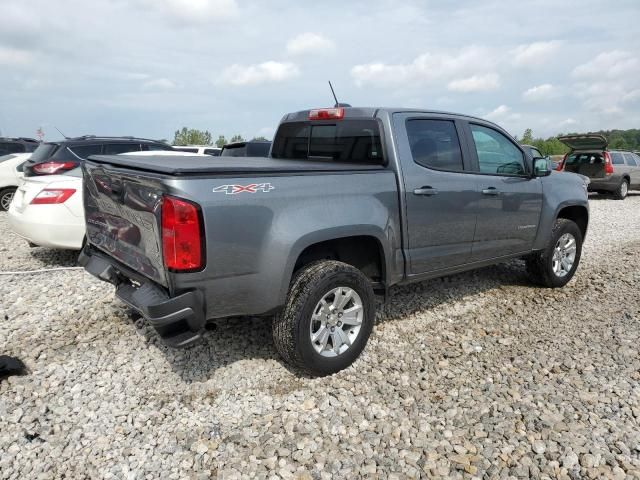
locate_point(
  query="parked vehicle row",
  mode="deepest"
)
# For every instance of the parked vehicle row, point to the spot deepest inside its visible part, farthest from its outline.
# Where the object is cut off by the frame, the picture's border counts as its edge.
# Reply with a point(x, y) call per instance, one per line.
point(17, 145)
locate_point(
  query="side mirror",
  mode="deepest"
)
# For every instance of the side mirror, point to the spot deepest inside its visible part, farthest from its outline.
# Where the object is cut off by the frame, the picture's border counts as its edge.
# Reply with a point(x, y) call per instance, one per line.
point(541, 167)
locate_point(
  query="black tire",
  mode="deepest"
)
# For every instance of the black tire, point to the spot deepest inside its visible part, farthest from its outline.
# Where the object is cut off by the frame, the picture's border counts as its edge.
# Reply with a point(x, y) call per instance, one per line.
point(621, 192)
point(4, 194)
point(292, 326)
point(540, 264)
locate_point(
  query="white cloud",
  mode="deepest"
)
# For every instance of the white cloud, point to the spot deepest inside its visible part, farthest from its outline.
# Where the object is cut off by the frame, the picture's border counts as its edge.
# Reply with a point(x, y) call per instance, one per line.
point(502, 113)
point(540, 92)
point(613, 64)
point(632, 96)
point(567, 122)
point(13, 56)
point(267, 72)
point(426, 68)
point(534, 54)
point(476, 83)
point(194, 11)
point(306, 43)
point(159, 84)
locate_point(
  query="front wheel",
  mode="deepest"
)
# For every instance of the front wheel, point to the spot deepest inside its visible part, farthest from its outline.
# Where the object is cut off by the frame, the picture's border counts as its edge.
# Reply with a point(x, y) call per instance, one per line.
point(554, 266)
point(6, 196)
point(327, 319)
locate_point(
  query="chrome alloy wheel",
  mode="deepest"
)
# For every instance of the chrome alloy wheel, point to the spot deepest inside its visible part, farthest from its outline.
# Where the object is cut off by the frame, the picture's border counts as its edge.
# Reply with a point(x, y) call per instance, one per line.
point(336, 321)
point(564, 255)
point(5, 200)
point(624, 189)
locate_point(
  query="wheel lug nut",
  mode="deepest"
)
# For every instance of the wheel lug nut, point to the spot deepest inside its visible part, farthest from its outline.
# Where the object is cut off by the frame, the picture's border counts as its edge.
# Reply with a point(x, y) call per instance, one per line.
point(339, 324)
point(333, 329)
point(340, 315)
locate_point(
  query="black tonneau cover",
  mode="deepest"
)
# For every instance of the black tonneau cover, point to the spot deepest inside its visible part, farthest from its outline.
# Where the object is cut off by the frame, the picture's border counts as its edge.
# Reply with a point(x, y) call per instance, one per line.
point(188, 165)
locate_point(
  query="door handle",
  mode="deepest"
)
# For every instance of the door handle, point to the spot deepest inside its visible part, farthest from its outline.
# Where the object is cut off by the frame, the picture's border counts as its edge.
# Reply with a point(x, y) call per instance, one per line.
point(428, 191)
point(491, 191)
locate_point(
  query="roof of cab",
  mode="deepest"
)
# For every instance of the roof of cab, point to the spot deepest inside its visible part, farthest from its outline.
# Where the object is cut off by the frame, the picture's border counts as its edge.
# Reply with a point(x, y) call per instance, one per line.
point(371, 112)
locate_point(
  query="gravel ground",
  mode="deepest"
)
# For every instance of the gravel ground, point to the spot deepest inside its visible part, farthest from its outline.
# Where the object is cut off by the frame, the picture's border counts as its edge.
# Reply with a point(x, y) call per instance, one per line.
point(474, 375)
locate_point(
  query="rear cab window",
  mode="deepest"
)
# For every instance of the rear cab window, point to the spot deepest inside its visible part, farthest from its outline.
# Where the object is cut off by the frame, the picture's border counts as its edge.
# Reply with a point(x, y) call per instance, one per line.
point(347, 141)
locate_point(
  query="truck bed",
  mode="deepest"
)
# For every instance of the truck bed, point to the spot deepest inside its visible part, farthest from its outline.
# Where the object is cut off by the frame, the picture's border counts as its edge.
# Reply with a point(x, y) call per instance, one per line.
point(183, 166)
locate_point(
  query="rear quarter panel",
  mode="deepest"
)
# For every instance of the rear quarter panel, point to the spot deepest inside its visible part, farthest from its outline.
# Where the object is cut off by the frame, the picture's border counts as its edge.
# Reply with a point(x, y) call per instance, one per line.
point(254, 239)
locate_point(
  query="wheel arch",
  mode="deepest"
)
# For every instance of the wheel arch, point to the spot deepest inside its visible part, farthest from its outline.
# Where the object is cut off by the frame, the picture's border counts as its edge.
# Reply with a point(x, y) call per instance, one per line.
point(364, 248)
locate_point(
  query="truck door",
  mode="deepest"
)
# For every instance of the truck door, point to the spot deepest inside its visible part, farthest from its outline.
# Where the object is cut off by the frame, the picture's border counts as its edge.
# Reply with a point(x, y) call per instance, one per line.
point(509, 200)
point(438, 193)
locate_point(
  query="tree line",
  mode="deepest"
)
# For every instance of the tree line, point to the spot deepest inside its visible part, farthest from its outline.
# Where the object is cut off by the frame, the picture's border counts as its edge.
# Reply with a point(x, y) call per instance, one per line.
point(193, 136)
point(618, 139)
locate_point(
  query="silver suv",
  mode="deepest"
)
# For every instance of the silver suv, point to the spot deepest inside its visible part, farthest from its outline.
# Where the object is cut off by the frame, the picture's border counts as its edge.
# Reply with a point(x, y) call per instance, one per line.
point(610, 171)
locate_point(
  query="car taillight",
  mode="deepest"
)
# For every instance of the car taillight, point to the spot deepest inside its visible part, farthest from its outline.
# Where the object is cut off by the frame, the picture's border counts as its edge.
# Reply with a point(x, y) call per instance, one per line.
point(326, 114)
point(608, 166)
point(182, 247)
point(49, 196)
point(51, 168)
point(561, 164)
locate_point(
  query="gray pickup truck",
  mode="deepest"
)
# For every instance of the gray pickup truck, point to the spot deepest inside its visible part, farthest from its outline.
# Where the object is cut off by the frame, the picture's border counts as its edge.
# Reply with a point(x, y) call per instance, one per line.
point(350, 202)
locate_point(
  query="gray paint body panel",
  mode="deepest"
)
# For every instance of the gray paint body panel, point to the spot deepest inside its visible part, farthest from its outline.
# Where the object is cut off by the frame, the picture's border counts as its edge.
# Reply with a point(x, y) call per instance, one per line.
point(254, 239)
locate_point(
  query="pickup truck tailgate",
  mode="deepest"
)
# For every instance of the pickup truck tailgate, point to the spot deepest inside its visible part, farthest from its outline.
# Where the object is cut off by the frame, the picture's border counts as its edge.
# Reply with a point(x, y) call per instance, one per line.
point(122, 213)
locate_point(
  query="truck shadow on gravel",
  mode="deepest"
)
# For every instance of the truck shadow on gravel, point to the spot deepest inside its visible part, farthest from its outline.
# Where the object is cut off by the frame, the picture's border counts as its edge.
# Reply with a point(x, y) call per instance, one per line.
point(604, 196)
point(51, 258)
point(234, 340)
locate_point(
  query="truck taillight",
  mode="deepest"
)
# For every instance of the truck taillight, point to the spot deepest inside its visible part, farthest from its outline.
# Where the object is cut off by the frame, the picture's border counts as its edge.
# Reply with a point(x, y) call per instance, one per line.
point(50, 196)
point(327, 113)
point(51, 168)
point(182, 246)
point(608, 166)
point(561, 164)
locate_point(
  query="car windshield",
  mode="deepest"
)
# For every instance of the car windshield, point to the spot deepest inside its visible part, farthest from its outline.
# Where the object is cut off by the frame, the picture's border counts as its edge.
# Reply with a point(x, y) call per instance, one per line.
point(44, 151)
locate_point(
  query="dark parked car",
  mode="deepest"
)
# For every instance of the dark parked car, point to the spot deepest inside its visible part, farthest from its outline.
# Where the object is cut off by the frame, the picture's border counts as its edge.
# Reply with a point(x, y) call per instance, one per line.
point(610, 171)
point(252, 148)
point(17, 145)
point(64, 156)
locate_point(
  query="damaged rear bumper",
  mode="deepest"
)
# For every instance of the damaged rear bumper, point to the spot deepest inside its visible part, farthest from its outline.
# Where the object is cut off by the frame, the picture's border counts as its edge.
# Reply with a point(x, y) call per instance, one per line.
point(179, 320)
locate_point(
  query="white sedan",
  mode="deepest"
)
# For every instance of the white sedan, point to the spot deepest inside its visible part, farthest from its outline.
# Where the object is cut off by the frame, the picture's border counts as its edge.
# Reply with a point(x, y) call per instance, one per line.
point(10, 176)
point(47, 210)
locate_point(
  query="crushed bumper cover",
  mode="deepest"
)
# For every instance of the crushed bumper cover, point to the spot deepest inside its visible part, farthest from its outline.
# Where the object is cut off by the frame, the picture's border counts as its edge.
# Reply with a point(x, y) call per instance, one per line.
point(178, 320)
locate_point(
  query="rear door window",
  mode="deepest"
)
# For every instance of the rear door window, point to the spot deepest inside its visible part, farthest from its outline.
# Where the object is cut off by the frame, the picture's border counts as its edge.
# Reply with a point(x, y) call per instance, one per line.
point(348, 141)
point(83, 151)
point(435, 144)
point(213, 152)
point(117, 148)
point(617, 158)
point(497, 155)
point(629, 160)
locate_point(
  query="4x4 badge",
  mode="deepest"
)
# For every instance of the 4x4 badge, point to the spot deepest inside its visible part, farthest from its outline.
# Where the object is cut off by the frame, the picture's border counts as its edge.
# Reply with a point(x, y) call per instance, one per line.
point(251, 188)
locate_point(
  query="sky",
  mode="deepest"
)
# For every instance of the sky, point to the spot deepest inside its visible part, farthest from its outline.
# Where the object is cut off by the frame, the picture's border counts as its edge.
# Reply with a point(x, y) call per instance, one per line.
point(149, 67)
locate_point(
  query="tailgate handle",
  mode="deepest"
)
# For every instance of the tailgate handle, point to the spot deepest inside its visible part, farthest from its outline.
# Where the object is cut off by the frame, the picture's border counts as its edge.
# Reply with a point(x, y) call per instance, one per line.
point(428, 191)
point(491, 191)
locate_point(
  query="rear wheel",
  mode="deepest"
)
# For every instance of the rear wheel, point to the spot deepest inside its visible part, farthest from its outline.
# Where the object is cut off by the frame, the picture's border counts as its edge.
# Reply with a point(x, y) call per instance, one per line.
point(623, 189)
point(554, 266)
point(327, 319)
point(6, 196)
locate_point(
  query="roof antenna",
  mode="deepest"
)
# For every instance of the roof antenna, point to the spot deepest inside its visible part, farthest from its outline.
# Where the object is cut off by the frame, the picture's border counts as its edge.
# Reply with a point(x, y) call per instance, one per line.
point(338, 104)
point(65, 137)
